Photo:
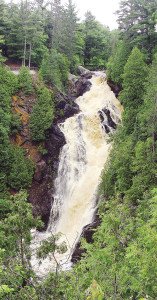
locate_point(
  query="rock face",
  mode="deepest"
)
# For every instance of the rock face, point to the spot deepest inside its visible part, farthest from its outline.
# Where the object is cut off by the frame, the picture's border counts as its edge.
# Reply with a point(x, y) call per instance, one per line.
point(82, 86)
point(84, 72)
point(79, 85)
point(114, 87)
point(106, 120)
point(87, 233)
point(42, 189)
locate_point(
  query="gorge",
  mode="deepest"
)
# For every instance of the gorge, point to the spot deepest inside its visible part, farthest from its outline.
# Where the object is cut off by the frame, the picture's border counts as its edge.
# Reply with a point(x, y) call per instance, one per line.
point(81, 162)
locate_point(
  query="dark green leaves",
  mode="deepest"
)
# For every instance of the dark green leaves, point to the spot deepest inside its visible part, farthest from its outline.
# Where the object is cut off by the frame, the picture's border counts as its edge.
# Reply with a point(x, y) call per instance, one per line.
point(42, 114)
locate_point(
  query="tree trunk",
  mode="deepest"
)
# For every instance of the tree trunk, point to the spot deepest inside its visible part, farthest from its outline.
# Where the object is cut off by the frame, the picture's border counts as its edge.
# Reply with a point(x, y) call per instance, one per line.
point(22, 251)
point(24, 51)
point(30, 53)
point(115, 287)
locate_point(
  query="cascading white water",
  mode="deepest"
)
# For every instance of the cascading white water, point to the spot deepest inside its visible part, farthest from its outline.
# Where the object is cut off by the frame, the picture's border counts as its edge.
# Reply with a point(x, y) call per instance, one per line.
point(81, 161)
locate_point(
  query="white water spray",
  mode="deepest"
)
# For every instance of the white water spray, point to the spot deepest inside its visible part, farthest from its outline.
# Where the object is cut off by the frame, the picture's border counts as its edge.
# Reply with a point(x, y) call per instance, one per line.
point(81, 161)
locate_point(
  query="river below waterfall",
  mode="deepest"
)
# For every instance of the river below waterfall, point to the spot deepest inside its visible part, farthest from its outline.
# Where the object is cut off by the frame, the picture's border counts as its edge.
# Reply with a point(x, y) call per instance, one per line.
point(81, 162)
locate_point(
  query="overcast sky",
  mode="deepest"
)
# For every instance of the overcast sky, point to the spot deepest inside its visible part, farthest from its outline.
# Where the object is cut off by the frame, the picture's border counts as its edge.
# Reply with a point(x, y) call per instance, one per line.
point(103, 10)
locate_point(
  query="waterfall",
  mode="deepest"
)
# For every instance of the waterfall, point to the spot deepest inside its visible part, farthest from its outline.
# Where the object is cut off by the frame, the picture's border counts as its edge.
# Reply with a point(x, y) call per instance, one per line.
point(81, 161)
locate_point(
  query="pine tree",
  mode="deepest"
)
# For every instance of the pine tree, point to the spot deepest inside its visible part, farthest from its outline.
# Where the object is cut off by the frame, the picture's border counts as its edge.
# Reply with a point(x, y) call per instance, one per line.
point(42, 115)
point(135, 73)
point(25, 81)
point(97, 42)
point(137, 22)
point(69, 34)
point(57, 12)
point(117, 61)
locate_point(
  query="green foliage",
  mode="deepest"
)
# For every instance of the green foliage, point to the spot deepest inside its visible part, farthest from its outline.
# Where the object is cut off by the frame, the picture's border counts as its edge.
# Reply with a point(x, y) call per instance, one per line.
point(5, 290)
point(131, 170)
point(117, 176)
point(42, 149)
point(116, 63)
point(147, 116)
point(15, 124)
point(140, 272)
point(50, 246)
point(5, 154)
point(8, 124)
point(54, 69)
point(2, 59)
point(122, 252)
point(95, 292)
point(15, 272)
point(79, 45)
point(25, 81)
point(135, 72)
point(69, 36)
point(8, 80)
point(42, 115)
point(137, 21)
point(21, 171)
point(39, 49)
point(97, 43)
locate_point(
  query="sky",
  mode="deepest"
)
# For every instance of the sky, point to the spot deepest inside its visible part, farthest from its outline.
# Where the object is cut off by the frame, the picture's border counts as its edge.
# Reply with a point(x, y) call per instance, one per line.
point(103, 10)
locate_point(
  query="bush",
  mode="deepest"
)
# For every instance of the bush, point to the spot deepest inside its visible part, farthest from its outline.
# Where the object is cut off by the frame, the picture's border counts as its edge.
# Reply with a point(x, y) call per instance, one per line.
point(42, 115)
point(25, 81)
point(8, 80)
point(54, 69)
point(117, 61)
point(21, 171)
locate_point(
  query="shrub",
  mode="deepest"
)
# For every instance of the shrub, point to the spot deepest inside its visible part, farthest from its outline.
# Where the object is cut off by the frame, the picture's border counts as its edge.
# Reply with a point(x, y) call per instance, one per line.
point(54, 69)
point(21, 171)
point(42, 115)
point(25, 81)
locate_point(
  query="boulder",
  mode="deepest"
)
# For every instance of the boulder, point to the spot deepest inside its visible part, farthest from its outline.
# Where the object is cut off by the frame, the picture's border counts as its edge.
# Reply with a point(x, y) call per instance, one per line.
point(61, 104)
point(82, 85)
point(72, 78)
point(70, 110)
point(84, 72)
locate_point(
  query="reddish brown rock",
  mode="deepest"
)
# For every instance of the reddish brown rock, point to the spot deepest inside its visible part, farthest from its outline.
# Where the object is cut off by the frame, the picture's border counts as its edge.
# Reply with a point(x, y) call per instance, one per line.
point(39, 172)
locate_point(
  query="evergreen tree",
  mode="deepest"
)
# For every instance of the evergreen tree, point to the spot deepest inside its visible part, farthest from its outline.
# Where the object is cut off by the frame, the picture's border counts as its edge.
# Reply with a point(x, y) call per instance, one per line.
point(57, 12)
point(97, 42)
point(117, 61)
point(16, 170)
point(25, 80)
point(148, 114)
point(2, 59)
point(42, 115)
point(21, 169)
point(16, 274)
point(54, 69)
point(135, 73)
point(70, 26)
point(137, 22)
